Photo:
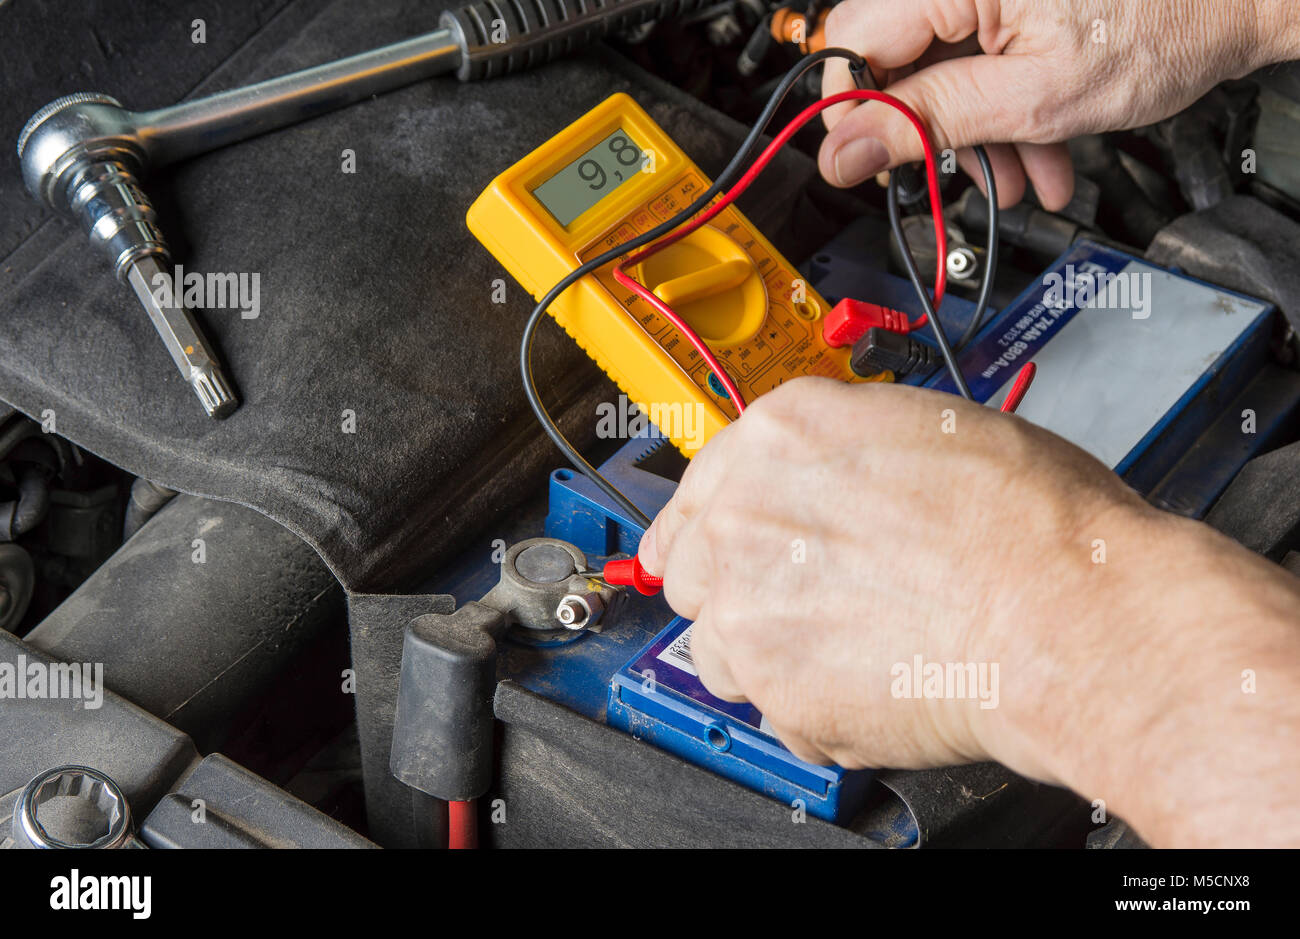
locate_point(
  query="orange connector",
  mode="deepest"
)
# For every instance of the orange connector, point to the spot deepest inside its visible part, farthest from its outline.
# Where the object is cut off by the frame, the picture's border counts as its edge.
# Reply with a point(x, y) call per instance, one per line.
point(792, 27)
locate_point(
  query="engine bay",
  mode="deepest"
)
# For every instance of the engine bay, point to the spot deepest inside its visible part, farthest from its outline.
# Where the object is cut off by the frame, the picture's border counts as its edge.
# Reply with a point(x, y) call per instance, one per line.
point(384, 592)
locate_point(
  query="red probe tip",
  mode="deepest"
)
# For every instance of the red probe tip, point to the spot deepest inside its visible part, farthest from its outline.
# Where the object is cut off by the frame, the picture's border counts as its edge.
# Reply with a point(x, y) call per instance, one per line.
point(630, 573)
point(1018, 388)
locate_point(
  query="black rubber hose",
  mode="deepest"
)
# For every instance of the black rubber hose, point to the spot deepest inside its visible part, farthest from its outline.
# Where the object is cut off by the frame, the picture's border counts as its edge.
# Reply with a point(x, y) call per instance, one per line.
point(1125, 212)
point(146, 499)
point(18, 582)
point(16, 433)
point(27, 511)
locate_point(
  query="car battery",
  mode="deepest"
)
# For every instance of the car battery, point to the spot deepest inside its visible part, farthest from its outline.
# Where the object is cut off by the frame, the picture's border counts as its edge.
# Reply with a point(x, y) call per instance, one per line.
point(658, 697)
point(1134, 382)
point(1134, 361)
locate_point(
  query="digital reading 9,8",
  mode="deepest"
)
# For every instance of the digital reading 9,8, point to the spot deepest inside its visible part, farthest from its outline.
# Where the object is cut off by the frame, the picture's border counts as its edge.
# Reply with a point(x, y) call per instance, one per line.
point(589, 178)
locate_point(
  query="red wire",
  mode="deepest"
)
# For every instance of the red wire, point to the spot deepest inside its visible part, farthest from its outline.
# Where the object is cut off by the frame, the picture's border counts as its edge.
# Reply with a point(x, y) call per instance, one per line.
point(462, 825)
point(668, 313)
point(1017, 393)
point(769, 152)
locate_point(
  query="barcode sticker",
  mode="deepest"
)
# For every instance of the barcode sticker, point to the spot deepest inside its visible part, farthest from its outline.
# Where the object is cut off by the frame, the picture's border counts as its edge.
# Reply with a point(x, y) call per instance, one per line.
point(678, 653)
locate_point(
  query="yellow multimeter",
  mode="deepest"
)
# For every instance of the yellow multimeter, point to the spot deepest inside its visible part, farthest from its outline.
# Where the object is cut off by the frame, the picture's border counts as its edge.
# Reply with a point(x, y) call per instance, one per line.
point(600, 182)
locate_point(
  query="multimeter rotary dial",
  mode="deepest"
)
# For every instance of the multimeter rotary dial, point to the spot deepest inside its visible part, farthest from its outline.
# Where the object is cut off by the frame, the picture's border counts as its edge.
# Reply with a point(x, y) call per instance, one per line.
point(712, 283)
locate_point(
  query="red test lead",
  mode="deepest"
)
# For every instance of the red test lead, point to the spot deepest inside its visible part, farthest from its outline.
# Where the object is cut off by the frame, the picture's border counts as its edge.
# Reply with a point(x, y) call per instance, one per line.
point(850, 319)
point(630, 573)
point(1017, 393)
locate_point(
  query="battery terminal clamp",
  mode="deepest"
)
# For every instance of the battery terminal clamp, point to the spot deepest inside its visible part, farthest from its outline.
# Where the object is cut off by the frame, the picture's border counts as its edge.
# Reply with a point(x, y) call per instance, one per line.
point(442, 733)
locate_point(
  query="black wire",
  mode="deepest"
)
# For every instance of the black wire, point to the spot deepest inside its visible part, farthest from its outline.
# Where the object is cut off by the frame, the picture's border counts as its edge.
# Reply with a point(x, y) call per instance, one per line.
point(865, 79)
point(722, 181)
point(914, 274)
point(990, 252)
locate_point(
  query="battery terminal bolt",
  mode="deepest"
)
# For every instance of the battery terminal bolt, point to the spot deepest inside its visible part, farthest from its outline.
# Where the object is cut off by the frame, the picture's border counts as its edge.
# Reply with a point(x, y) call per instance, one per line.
point(579, 611)
point(963, 264)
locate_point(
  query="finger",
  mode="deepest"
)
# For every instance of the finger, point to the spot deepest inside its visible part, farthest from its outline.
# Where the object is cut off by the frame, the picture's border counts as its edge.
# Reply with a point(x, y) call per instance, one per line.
point(941, 51)
point(836, 77)
point(891, 37)
point(889, 34)
point(961, 102)
point(800, 746)
point(1051, 171)
point(711, 662)
point(659, 538)
point(688, 570)
point(703, 475)
point(1008, 174)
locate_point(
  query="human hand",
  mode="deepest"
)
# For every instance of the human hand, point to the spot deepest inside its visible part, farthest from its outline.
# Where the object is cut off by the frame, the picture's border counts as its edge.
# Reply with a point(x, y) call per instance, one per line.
point(836, 532)
point(1050, 70)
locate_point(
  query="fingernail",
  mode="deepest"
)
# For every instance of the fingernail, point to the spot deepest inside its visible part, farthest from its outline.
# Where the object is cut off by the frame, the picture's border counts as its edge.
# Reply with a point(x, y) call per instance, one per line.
point(858, 159)
point(648, 551)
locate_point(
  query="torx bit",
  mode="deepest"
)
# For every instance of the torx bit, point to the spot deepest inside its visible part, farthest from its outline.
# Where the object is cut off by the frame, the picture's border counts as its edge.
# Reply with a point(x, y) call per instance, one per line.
point(180, 333)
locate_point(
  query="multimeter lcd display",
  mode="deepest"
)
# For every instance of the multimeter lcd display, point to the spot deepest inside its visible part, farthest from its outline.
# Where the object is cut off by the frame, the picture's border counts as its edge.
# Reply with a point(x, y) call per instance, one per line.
point(589, 178)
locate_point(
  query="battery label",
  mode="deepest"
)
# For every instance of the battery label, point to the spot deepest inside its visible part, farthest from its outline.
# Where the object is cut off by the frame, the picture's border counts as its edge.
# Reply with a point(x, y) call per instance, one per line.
point(1026, 326)
point(672, 647)
point(678, 653)
point(658, 697)
point(1122, 347)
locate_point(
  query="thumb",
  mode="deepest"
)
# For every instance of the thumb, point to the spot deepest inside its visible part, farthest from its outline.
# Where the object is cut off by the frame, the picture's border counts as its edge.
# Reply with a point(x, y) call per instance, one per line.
point(962, 102)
